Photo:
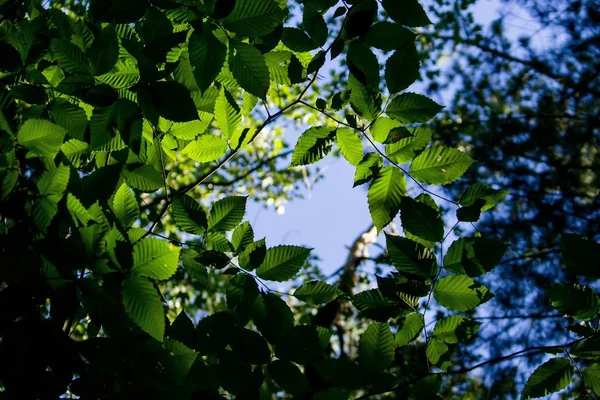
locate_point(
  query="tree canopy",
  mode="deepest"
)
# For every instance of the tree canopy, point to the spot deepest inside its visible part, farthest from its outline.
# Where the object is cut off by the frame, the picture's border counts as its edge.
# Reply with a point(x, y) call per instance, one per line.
point(134, 133)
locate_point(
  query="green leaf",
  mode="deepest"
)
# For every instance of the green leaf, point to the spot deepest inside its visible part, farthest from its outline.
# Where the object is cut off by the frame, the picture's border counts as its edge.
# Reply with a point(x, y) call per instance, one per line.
point(470, 213)
point(288, 377)
point(373, 304)
point(314, 144)
point(422, 221)
point(206, 148)
point(74, 150)
point(69, 57)
point(479, 191)
point(552, 376)
point(272, 316)
point(365, 101)
point(435, 350)
point(410, 257)
point(53, 183)
point(591, 377)
point(381, 128)
point(250, 347)
point(461, 293)
point(125, 206)
point(189, 215)
point(227, 213)
point(196, 270)
point(41, 136)
point(183, 330)
point(227, 114)
point(207, 56)
point(410, 327)
point(217, 241)
point(253, 255)
point(411, 107)
point(579, 302)
point(350, 145)
point(124, 75)
point(368, 168)
point(402, 68)
point(384, 196)
point(439, 165)
point(241, 291)
point(297, 40)
point(172, 101)
point(250, 70)
point(455, 328)
point(300, 344)
point(178, 360)
point(70, 117)
point(577, 251)
point(155, 258)
point(388, 36)
point(144, 177)
point(189, 130)
point(474, 256)
point(282, 263)
point(376, 348)
point(242, 236)
point(407, 12)
point(406, 149)
point(255, 18)
point(363, 65)
point(360, 17)
point(314, 24)
point(77, 210)
point(104, 52)
point(144, 306)
point(317, 292)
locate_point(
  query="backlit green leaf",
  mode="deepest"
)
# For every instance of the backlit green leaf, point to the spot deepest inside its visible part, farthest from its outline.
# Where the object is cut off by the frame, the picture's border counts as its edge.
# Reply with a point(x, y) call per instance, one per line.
point(409, 328)
point(255, 18)
point(422, 221)
point(155, 258)
point(552, 376)
point(249, 69)
point(189, 215)
point(206, 148)
point(317, 292)
point(227, 213)
point(408, 12)
point(350, 145)
point(283, 263)
point(376, 347)
point(439, 165)
point(314, 144)
point(144, 306)
point(411, 107)
point(384, 196)
point(125, 206)
point(461, 293)
point(227, 114)
point(579, 302)
point(41, 136)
